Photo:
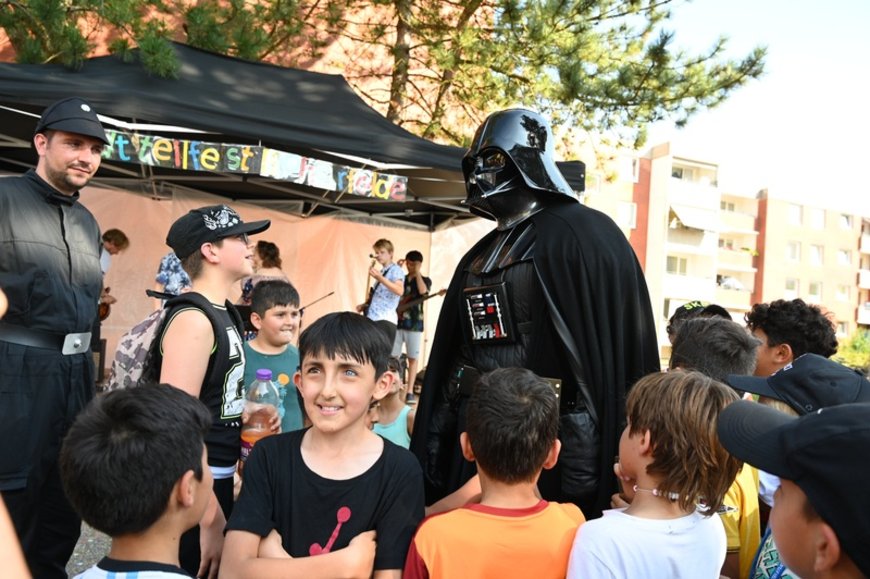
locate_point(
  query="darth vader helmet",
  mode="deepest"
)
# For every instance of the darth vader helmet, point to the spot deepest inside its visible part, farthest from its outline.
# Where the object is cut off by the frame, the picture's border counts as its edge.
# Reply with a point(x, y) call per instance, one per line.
point(509, 169)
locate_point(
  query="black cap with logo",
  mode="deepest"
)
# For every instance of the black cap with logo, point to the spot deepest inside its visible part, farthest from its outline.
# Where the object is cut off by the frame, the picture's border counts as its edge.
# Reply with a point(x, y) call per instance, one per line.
point(208, 224)
point(807, 384)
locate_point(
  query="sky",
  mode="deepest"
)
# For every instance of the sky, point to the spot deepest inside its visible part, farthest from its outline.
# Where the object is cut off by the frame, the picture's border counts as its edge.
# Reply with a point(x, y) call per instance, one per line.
point(803, 129)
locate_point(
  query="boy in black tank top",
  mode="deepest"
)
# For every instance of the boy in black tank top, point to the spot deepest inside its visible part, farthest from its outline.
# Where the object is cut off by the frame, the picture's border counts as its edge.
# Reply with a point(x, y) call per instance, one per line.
point(212, 244)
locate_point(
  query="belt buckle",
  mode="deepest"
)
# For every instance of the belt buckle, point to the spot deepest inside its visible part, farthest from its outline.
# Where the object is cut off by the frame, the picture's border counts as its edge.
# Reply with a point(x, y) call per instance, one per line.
point(76, 343)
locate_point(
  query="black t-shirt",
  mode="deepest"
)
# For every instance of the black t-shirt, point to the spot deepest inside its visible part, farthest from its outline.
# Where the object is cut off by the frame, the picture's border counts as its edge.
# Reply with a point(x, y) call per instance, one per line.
point(223, 391)
point(315, 514)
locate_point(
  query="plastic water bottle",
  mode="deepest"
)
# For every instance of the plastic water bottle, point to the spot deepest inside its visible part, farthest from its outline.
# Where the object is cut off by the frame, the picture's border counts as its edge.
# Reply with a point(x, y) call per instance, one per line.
point(261, 406)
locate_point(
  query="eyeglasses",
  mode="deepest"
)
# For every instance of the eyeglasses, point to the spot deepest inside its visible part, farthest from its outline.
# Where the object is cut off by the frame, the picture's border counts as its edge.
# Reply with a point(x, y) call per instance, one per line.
point(243, 237)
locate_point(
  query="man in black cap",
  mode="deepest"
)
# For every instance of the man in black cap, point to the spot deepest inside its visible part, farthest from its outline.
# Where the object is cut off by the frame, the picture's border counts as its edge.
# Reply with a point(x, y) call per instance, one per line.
point(50, 269)
point(820, 518)
point(212, 243)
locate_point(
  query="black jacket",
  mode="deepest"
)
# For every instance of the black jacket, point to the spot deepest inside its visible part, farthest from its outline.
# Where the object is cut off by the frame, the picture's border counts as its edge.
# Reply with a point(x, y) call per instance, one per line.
point(49, 257)
point(586, 266)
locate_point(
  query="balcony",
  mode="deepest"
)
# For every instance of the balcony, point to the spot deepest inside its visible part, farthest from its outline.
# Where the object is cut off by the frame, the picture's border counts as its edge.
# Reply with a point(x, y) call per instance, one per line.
point(692, 242)
point(688, 287)
point(735, 260)
point(864, 278)
point(733, 299)
point(735, 222)
point(864, 247)
point(693, 194)
point(864, 314)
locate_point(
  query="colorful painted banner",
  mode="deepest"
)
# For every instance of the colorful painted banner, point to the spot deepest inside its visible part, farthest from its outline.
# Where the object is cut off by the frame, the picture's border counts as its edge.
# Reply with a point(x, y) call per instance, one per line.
point(188, 155)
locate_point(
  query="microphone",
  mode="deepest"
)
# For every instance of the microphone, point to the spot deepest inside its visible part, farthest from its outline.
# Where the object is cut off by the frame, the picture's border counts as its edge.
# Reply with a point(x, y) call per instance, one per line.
point(372, 255)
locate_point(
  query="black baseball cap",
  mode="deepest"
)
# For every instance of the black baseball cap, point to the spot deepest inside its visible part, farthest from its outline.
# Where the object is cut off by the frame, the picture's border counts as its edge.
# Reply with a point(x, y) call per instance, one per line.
point(72, 115)
point(822, 452)
point(208, 224)
point(810, 382)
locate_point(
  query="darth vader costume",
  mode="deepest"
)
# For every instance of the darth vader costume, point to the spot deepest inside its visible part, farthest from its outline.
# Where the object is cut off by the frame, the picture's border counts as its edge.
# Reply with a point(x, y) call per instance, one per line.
point(555, 288)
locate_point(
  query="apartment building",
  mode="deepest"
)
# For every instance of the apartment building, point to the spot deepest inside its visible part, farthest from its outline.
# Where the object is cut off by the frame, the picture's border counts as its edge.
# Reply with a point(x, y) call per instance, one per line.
point(698, 243)
point(863, 315)
point(611, 190)
point(812, 253)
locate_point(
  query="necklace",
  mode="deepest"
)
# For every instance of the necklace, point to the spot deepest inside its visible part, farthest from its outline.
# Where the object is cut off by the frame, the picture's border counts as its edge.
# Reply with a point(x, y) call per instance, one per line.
point(657, 493)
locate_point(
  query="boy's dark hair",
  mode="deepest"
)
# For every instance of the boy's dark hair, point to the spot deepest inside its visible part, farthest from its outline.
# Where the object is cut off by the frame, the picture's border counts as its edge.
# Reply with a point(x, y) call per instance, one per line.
point(693, 309)
point(805, 328)
point(414, 255)
point(269, 254)
point(127, 450)
point(397, 364)
point(715, 347)
point(117, 238)
point(274, 292)
point(680, 410)
point(512, 422)
point(347, 334)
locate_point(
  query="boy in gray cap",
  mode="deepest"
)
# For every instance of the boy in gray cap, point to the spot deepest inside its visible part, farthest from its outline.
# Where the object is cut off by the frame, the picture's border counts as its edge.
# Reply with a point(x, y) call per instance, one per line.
point(50, 270)
point(822, 528)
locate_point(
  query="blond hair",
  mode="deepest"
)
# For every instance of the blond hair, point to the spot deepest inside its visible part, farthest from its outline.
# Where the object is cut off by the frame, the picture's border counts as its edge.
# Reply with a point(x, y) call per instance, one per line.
point(680, 410)
point(777, 405)
point(383, 244)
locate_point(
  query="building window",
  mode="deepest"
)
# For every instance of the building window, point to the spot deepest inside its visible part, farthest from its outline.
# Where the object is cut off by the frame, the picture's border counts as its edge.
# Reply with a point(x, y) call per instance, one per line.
point(795, 214)
point(793, 251)
point(725, 243)
point(677, 265)
point(817, 254)
point(842, 329)
point(792, 288)
point(844, 257)
point(677, 172)
point(845, 221)
point(815, 293)
point(817, 218)
point(843, 292)
point(726, 206)
point(626, 214)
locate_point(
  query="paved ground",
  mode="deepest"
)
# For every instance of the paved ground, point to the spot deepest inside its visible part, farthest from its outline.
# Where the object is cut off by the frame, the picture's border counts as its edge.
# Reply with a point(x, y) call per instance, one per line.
point(92, 547)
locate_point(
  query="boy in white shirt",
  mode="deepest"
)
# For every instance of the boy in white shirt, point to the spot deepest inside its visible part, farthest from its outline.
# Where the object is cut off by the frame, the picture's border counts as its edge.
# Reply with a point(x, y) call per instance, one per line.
point(670, 461)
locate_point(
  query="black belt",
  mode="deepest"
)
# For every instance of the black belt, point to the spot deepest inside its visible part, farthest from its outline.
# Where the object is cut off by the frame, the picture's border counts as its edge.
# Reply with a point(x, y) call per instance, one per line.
point(466, 379)
point(67, 344)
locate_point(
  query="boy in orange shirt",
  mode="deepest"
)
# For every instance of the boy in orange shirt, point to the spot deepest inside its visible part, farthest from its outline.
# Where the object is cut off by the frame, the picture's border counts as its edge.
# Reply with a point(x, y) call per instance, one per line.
point(512, 423)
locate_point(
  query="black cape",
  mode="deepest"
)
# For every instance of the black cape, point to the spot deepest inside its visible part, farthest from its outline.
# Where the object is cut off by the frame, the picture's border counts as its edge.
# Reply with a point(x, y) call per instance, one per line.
point(595, 282)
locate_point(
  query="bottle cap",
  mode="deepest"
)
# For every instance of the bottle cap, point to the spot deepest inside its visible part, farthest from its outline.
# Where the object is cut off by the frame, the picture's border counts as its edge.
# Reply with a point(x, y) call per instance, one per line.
point(264, 374)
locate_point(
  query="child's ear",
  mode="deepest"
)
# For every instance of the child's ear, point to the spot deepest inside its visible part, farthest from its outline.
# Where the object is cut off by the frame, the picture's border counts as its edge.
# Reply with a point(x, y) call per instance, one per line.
point(383, 386)
point(553, 454)
point(783, 354)
point(256, 320)
point(645, 443)
point(209, 253)
point(186, 489)
point(297, 380)
point(465, 444)
point(827, 549)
